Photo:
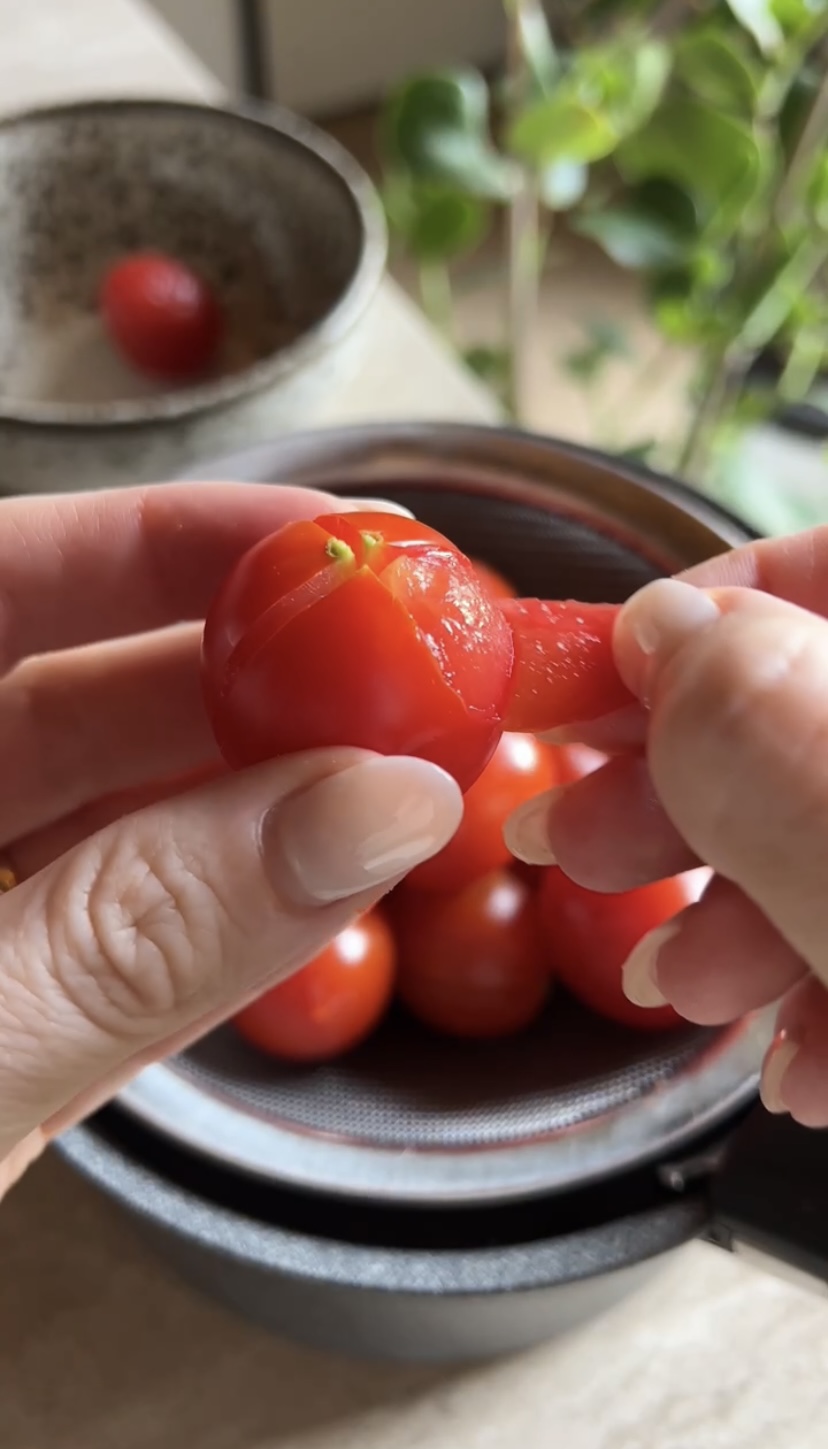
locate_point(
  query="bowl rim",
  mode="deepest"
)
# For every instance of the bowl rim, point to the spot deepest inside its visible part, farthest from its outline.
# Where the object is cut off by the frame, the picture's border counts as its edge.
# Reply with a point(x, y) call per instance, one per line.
point(321, 337)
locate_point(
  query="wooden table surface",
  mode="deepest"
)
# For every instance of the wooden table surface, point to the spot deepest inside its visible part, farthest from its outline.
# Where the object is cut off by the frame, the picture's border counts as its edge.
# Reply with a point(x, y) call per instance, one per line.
point(101, 1348)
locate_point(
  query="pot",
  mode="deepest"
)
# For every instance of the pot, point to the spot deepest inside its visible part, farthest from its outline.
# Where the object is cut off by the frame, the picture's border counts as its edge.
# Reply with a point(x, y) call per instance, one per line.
point(468, 1199)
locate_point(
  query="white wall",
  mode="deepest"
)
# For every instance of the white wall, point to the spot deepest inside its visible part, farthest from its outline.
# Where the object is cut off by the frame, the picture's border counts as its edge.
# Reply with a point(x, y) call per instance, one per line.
point(332, 55)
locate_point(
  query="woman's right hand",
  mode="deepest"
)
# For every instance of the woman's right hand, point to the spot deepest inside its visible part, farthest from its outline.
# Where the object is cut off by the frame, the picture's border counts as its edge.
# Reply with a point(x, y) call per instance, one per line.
point(157, 893)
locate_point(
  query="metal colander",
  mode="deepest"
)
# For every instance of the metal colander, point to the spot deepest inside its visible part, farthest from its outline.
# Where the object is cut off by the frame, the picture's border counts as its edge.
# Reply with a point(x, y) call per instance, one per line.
point(410, 1117)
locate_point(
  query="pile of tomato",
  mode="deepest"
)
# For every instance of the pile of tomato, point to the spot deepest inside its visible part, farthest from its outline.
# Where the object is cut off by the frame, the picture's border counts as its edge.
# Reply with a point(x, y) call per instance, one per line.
point(472, 943)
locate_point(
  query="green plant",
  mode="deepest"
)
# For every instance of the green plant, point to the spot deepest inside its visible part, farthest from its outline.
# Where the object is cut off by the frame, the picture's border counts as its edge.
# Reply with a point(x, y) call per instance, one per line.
point(688, 140)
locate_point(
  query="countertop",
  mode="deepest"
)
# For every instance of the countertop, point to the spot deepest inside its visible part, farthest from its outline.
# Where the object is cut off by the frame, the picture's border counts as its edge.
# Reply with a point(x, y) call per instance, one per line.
point(101, 1348)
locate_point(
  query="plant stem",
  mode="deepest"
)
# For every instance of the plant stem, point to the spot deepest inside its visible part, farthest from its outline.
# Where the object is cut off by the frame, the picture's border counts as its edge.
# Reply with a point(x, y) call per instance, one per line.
point(436, 296)
point(523, 229)
point(717, 393)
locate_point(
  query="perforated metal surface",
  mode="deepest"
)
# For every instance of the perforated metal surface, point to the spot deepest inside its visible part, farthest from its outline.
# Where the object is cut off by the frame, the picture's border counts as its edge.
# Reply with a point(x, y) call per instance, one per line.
point(410, 1116)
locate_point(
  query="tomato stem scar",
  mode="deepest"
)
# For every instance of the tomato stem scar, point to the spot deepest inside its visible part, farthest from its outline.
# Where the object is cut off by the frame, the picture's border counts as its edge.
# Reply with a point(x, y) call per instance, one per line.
point(371, 540)
point(338, 549)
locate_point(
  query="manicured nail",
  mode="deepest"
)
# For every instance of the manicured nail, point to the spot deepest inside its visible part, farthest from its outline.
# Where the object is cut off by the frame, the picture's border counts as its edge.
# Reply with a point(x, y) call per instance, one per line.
point(526, 832)
point(780, 1054)
point(654, 624)
point(639, 975)
point(375, 505)
point(362, 827)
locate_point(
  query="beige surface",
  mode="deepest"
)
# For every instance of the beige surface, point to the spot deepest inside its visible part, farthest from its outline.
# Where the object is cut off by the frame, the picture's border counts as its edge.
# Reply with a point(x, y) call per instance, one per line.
point(101, 1349)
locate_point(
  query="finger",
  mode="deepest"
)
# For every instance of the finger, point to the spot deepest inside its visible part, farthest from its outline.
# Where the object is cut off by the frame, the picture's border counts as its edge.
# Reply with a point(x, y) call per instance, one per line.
point(795, 1071)
point(180, 912)
point(737, 750)
point(87, 722)
point(82, 567)
point(608, 832)
point(793, 568)
point(622, 730)
point(716, 961)
point(34, 852)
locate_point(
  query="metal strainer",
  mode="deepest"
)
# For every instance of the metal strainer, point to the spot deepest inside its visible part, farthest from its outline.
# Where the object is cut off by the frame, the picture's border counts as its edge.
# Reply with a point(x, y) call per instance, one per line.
point(410, 1118)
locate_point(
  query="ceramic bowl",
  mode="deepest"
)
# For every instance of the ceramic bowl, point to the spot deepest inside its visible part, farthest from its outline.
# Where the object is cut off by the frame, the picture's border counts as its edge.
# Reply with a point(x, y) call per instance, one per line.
point(280, 221)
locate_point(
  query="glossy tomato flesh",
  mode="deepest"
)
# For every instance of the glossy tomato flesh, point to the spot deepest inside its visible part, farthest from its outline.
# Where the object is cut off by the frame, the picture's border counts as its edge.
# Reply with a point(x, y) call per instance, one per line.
point(473, 964)
point(589, 937)
point(519, 768)
point(564, 669)
point(333, 1003)
point(161, 315)
point(368, 630)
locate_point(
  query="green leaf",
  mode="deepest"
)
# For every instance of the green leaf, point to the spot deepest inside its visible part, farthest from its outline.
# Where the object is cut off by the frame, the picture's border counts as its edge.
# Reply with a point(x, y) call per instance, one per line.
point(799, 19)
point(604, 341)
point(773, 308)
point(632, 239)
point(490, 364)
point(804, 364)
point(561, 129)
point(436, 223)
point(639, 452)
point(759, 19)
point(437, 127)
point(818, 192)
point(715, 158)
point(718, 71)
point(562, 184)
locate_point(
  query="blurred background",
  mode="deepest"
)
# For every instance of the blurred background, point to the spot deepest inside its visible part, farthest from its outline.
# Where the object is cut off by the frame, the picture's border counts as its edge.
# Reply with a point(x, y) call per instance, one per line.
point(615, 210)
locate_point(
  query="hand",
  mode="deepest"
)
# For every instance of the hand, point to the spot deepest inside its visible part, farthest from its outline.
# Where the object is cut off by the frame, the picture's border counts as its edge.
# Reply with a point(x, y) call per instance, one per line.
point(157, 892)
point(731, 668)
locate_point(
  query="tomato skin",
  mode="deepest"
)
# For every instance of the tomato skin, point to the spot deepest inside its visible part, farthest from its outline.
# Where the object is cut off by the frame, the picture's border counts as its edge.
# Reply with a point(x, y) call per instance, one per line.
point(564, 667)
point(589, 937)
point(519, 768)
point(496, 585)
point(330, 1005)
point(367, 630)
point(473, 964)
point(161, 315)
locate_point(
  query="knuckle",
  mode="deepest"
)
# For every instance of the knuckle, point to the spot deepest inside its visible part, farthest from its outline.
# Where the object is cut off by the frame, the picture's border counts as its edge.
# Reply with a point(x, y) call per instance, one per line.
point(135, 934)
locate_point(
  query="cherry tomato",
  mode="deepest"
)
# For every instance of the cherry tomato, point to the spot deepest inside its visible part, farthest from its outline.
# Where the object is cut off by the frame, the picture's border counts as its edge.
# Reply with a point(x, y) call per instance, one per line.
point(473, 964)
point(497, 586)
point(332, 1003)
point(589, 937)
point(519, 768)
point(564, 668)
point(362, 629)
point(162, 316)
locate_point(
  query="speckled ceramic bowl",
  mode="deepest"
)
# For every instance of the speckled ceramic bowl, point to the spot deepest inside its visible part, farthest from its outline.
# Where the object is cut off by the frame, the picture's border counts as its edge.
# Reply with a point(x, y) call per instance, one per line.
point(280, 220)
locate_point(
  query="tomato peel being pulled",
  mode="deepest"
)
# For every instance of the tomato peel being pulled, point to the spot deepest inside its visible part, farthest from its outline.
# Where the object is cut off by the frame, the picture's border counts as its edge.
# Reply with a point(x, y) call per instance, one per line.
point(373, 630)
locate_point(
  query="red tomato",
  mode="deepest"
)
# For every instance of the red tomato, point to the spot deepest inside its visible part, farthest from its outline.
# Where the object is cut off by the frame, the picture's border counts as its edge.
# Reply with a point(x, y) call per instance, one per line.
point(519, 768)
point(496, 585)
point(589, 937)
point(332, 1003)
point(162, 316)
point(362, 629)
point(473, 964)
point(564, 667)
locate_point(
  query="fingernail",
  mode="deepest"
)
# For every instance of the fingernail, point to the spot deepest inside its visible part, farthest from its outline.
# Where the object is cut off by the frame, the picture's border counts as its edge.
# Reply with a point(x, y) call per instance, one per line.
point(639, 974)
point(657, 621)
point(361, 827)
point(526, 832)
point(780, 1054)
point(621, 729)
point(375, 505)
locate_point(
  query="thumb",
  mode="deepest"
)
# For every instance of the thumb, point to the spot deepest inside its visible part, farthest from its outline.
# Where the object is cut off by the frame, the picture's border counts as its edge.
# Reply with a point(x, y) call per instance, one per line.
point(174, 915)
point(737, 684)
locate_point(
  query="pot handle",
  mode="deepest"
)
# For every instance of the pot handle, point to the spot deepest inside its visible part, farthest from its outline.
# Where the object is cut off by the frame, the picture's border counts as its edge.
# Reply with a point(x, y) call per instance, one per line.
point(769, 1197)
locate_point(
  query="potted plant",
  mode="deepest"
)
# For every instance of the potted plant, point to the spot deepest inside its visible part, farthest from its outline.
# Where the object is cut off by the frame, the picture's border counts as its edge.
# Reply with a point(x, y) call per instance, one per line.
point(688, 140)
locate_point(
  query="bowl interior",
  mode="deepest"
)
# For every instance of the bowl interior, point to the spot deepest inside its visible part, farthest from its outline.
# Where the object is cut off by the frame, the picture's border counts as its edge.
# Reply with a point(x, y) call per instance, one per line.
point(594, 1094)
point(273, 228)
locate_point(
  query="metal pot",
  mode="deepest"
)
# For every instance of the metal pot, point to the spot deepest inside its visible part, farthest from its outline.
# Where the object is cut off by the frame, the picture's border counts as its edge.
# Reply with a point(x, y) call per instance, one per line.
point(437, 1200)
